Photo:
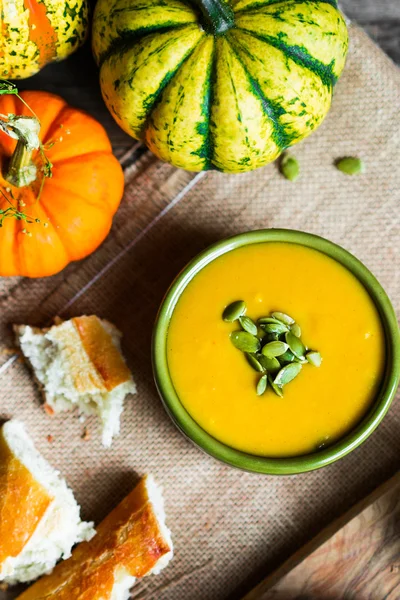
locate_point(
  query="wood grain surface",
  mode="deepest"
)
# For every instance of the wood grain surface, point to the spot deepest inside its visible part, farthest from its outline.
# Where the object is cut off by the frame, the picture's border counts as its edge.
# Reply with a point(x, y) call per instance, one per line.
point(357, 557)
point(381, 19)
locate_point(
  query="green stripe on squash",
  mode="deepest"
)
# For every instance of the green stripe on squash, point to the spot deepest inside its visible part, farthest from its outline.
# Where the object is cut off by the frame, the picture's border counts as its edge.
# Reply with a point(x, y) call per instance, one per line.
point(301, 56)
point(258, 4)
point(272, 109)
point(178, 126)
point(212, 87)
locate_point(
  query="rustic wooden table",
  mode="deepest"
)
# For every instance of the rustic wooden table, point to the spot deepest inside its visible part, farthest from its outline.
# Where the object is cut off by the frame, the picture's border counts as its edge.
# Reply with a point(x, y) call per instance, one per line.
point(357, 557)
point(381, 19)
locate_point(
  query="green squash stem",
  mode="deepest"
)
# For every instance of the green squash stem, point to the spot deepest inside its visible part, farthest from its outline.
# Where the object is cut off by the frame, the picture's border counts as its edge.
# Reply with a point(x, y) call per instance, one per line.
point(217, 16)
point(21, 171)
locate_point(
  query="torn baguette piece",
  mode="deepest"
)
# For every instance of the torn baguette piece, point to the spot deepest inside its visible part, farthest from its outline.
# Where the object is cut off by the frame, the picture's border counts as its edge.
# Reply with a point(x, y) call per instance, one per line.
point(39, 516)
point(78, 363)
point(133, 541)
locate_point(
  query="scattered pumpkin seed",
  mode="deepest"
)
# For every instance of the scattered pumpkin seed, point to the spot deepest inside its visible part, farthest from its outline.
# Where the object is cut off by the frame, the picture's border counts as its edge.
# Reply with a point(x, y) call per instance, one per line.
point(287, 357)
point(248, 325)
point(245, 341)
point(277, 328)
point(295, 345)
point(233, 311)
point(283, 318)
point(271, 365)
point(289, 167)
point(262, 385)
point(314, 358)
point(296, 330)
point(350, 165)
point(254, 363)
point(273, 349)
point(277, 388)
point(287, 374)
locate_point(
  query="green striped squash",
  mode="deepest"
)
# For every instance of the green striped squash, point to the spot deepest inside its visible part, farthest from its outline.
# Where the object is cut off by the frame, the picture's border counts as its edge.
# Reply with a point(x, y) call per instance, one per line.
point(212, 85)
point(34, 33)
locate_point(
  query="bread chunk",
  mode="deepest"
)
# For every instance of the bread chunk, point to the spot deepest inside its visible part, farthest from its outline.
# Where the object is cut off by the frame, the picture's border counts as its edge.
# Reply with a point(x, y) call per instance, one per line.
point(78, 363)
point(133, 541)
point(39, 516)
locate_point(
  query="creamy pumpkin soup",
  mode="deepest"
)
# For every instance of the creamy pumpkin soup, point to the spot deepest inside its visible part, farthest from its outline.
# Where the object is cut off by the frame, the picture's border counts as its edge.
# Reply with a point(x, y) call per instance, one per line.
point(339, 324)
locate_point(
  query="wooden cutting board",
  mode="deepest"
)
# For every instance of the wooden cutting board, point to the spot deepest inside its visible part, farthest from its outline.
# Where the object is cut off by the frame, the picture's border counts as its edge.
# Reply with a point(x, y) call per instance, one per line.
point(356, 557)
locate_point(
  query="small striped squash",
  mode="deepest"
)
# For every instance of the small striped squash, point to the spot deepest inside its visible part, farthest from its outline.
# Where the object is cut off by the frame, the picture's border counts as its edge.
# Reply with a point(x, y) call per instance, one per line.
point(36, 32)
point(212, 85)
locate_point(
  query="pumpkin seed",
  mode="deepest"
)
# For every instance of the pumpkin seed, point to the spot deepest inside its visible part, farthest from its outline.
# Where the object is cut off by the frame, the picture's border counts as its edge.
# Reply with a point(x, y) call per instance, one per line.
point(287, 374)
point(273, 349)
point(233, 311)
point(314, 358)
point(350, 165)
point(296, 330)
point(248, 325)
point(254, 363)
point(289, 167)
point(302, 360)
point(271, 365)
point(287, 357)
point(244, 341)
point(277, 361)
point(283, 318)
point(295, 345)
point(277, 388)
point(277, 328)
point(260, 333)
point(270, 337)
point(262, 385)
point(265, 320)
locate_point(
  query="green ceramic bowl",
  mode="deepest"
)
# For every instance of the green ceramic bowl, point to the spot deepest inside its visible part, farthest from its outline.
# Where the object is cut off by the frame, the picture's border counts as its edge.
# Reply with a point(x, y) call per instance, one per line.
point(261, 464)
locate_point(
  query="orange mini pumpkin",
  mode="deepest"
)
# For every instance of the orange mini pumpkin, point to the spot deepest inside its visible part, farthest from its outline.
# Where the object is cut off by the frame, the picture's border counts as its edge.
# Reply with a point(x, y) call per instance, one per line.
point(55, 220)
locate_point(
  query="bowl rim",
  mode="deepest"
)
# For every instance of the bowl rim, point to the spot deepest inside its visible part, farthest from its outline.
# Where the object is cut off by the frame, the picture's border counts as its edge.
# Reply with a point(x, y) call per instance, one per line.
point(262, 464)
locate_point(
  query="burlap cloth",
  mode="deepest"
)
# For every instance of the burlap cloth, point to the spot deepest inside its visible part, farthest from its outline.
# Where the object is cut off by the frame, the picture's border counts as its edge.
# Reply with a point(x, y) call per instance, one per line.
point(230, 528)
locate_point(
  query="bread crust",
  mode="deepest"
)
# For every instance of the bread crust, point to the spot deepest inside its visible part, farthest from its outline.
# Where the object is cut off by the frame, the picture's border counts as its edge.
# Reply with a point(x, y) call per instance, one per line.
point(102, 352)
point(23, 503)
point(130, 538)
point(93, 359)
